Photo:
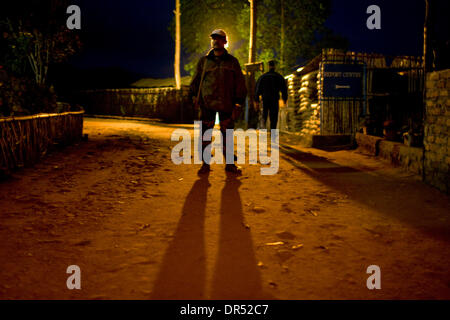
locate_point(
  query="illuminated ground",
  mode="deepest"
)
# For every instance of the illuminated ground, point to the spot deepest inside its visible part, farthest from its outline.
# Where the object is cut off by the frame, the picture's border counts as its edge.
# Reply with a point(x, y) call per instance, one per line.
point(140, 227)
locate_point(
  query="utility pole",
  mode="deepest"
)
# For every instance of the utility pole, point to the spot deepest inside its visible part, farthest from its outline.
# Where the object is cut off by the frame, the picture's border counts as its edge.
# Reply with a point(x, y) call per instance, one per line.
point(426, 68)
point(177, 45)
point(426, 46)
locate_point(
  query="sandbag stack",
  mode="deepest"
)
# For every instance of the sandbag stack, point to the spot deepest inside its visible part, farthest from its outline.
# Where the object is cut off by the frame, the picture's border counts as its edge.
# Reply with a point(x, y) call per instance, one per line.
point(294, 119)
point(309, 110)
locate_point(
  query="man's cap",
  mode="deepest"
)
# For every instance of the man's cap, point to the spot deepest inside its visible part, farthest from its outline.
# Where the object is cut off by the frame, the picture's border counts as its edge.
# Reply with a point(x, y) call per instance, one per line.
point(219, 32)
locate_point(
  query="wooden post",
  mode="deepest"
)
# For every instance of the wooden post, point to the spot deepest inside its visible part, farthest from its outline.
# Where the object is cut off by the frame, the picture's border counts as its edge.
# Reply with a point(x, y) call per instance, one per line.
point(426, 56)
point(426, 63)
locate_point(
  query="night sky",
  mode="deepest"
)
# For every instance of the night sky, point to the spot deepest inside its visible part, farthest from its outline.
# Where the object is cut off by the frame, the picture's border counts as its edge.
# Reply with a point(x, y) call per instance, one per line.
point(134, 36)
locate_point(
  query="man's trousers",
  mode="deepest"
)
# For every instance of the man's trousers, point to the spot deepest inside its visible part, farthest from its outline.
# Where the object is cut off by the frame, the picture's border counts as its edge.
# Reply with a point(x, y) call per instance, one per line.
point(208, 118)
point(270, 108)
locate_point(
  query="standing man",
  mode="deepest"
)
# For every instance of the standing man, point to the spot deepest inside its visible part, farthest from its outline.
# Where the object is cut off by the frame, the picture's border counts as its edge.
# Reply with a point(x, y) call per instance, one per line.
point(269, 86)
point(218, 86)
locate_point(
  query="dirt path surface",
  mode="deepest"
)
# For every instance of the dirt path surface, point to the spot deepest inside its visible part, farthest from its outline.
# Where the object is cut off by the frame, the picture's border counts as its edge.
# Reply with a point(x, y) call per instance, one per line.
point(140, 227)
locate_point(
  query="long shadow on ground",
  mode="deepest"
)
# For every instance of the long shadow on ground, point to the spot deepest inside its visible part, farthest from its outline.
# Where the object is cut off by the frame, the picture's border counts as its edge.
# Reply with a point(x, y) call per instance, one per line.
point(370, 189)
point(236, 274)
point(183, 271)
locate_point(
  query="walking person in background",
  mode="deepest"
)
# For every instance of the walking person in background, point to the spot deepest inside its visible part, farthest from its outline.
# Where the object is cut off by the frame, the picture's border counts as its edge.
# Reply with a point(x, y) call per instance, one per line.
point(269, 86)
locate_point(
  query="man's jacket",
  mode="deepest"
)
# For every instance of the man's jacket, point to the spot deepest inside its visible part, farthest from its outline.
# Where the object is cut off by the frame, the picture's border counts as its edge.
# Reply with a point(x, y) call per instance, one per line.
point(223, 82)
point(269, 86)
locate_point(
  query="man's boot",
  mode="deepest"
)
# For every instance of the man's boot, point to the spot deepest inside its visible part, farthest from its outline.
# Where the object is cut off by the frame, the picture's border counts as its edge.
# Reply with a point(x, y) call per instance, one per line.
point(205, 168)
point(232, 168)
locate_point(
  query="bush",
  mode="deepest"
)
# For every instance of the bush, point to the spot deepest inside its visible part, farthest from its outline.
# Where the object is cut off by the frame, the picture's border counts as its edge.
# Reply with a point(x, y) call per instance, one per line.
point(22, 96)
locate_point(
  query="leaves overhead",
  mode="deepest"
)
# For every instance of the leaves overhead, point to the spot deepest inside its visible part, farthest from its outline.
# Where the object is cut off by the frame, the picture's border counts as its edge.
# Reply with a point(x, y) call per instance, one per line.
point(303, 29)
point(35, 36)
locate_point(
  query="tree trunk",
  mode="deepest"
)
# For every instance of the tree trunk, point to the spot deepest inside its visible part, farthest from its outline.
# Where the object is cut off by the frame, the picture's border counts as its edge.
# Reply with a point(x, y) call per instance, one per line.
point(177, 45)
point(252, 48)
point(282, 41)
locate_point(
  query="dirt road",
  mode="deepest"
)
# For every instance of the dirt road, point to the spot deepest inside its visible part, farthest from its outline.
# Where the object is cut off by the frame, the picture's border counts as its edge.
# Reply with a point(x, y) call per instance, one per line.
point(140, 227)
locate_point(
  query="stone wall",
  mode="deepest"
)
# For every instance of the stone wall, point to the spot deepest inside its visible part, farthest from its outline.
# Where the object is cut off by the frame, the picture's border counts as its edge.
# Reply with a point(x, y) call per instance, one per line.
point(168, 104)
point(398, 154)
point(410, 158)
point(436, 130)
point(368, 144)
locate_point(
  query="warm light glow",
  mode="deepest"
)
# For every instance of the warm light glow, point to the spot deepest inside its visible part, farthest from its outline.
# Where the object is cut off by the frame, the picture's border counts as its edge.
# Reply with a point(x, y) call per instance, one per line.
point(217, 119)
point(228, 39)
point(300, 69)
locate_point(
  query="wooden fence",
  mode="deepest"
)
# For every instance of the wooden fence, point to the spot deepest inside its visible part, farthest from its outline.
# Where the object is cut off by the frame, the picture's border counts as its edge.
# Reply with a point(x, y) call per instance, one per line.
point(168, 104)
point(24, 140)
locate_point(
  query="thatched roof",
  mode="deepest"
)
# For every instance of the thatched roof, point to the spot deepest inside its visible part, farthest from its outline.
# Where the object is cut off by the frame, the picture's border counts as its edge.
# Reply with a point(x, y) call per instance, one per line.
point(156, 83)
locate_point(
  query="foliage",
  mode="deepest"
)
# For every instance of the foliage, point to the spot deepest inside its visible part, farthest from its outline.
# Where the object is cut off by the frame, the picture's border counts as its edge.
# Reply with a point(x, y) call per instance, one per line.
point(22, 96)
point(199, 18)
point(289, 29)
point(35, 36)
point(303, 25)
